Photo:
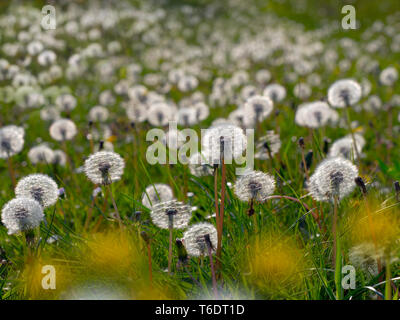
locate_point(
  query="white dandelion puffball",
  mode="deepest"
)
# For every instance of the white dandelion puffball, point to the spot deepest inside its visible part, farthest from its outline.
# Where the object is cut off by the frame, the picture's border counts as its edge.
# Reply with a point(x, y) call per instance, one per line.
point(388, 76)
point(159, 192)
point(21, 214)
point(255, 185)
point(66, 102)
point(63, 129)
point(104, 167)
point(136, 112)
point(199, 165)
point(344, 147)
point(202, 110)
point(345, 92)
point(39, 187)
point(171, 212)
point(59, 158)
point(333, 177)
point(98, 114)
point(228, 140)
point(41, 154)
point(267, 145)
point(258, 106)
point(314, 114)
point(195, 241)
point(275, 92)
point(11, 141)
point(159, 114)
point(186, 116)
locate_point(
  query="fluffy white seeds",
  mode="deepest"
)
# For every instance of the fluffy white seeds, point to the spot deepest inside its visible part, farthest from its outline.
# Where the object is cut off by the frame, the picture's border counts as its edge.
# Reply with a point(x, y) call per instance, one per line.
point(255, 185)
point(174, 213)
point(157, 193)
point(63, 129)
point(104, 167)
point(21, 214)
point(344, 93)
point(332, 178)
point(39, 187)
point(195, 241)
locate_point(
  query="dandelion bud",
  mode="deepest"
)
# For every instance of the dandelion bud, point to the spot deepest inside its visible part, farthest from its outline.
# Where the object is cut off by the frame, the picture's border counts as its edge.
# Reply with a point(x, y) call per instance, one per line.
point(397, 189)
point(360, 182)
point(301, 142)
point(309, 159)
point(326, 145)
point(182, 253)
point(145, 236)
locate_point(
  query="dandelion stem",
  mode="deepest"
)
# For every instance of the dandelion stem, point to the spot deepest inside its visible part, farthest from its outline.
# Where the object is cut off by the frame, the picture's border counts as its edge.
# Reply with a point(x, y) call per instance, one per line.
point(171, 229)
point(214, 280)
point(90, 213)
point(388, 289)
point(334, 227)
point(150, 264)
point(221, 215)
point(115, 206)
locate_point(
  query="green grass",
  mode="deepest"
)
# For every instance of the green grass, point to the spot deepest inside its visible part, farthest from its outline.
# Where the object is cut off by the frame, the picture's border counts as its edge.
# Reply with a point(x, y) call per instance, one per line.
point(20, 274)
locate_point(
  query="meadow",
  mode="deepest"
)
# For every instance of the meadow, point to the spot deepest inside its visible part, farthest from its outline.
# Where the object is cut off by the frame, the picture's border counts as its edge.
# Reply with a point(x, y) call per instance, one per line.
point(312, 109)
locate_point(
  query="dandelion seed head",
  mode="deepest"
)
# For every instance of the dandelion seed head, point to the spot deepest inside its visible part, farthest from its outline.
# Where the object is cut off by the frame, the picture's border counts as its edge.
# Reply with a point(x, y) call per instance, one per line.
point(389, 76)
point(104, 167)
point(66, 102)
point(268, 144)
point(98, 114)
point(39, 187)
point(275, 92)
point(345, 92)
point(157, 193)
point(333, 177)
point(255, 185)
point(227, 140)
point(21, 214)
point(159, 114)
point(172, 211)
point(259, 107)
point(63, 129)
point(59, 158)
point(195, 242)
point(199, 165)
point(41, 154)
point(136, 112)
point(315, 114)
point(11, 141)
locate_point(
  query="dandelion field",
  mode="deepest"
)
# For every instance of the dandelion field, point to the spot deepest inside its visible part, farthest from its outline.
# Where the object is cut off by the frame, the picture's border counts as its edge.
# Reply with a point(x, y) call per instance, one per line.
point(310, 108)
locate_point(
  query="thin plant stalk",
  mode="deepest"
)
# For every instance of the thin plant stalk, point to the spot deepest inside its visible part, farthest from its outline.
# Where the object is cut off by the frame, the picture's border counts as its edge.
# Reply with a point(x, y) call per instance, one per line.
point(221, 215)
point(171, 229)
point(334, 229)
point(214, 279)
point(388, 288)
point(150, 263)
point(115, 206)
